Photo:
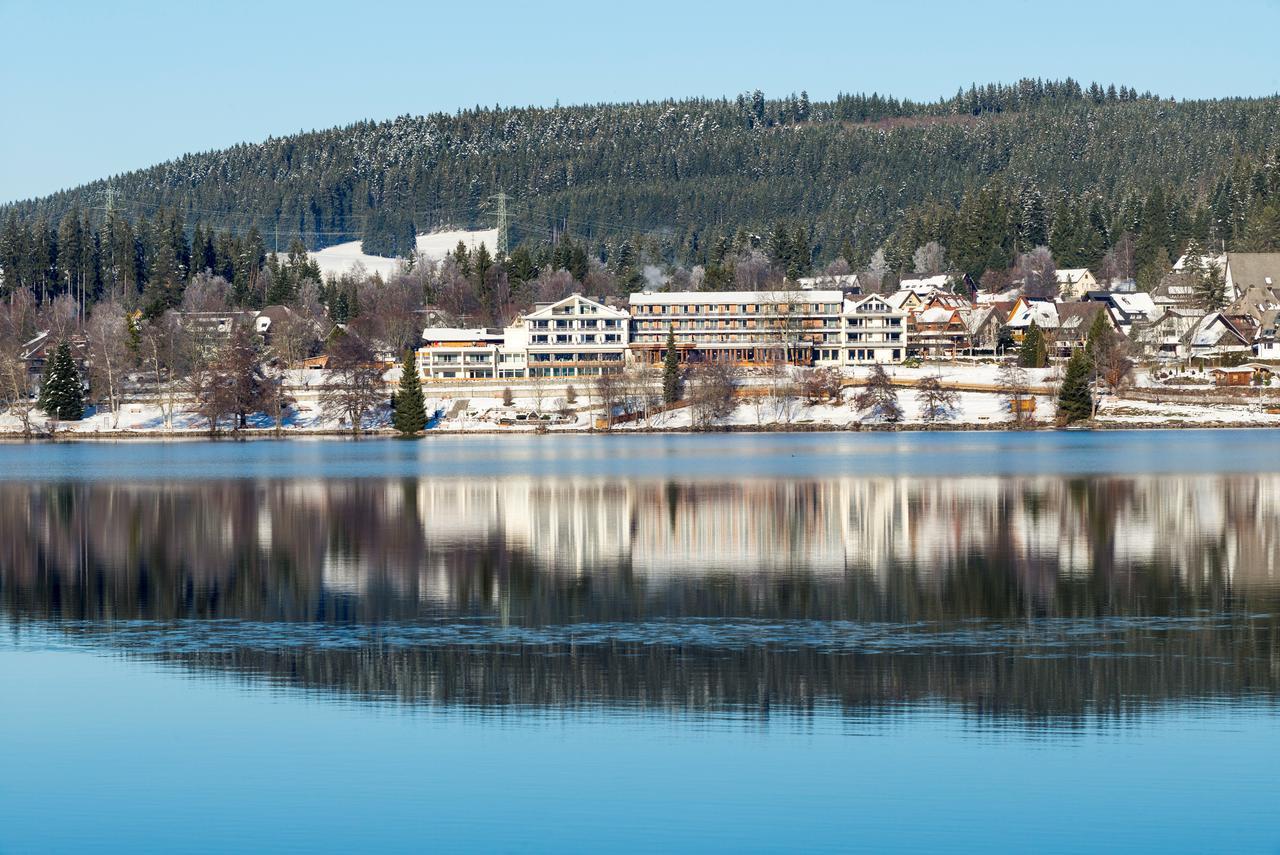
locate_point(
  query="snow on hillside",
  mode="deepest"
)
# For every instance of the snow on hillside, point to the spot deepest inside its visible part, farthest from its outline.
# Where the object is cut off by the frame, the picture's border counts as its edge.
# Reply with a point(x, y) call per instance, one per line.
point(341, 258)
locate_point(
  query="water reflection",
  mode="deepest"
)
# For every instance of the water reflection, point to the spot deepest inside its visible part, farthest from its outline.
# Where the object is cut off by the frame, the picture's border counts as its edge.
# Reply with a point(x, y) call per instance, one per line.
point(1044, 596)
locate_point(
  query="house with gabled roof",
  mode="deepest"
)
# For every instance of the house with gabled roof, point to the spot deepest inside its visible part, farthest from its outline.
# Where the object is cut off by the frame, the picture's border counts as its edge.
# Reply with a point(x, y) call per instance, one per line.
point(1167, 337)
point(1245, 270)
point(1075, 282)
point(575, 337)
point(1218, 335)
point(874, 332)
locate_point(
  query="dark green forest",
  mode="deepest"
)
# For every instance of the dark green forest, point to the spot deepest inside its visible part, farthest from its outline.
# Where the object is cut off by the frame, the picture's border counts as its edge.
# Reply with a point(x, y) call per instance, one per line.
point(988, 173)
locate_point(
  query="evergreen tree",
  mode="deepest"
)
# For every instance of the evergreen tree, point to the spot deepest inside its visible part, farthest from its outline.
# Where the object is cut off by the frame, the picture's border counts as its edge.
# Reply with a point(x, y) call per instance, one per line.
point(1075, 400)
point(410, 416)
point(671, 370)
point(1034, 352)
point(61, 395)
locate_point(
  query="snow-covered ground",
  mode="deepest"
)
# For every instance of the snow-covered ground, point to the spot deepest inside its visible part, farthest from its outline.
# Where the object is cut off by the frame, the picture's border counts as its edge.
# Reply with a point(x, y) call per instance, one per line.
point(343, 257)
point(484, 410)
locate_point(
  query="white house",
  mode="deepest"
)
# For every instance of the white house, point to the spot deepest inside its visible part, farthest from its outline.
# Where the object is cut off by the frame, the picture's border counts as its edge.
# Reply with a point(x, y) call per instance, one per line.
point(575, 337)
point(874, 332)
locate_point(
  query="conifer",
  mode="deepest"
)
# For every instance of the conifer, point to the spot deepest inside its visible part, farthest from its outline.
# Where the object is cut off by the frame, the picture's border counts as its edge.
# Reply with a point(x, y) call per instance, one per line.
point(671, 370)
point(61, 395)
point(1075, 400)
point(410, 416)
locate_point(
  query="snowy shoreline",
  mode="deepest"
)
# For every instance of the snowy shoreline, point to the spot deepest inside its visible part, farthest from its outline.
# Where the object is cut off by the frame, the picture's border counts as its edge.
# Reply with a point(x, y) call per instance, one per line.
point(259, 434)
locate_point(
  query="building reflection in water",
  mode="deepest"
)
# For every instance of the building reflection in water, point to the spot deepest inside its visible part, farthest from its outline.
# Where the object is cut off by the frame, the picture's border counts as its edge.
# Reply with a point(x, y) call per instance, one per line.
point(1042, 596)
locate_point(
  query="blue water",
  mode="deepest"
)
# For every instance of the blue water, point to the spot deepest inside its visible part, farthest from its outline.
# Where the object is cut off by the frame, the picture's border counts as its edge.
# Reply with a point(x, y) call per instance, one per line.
point(714, 456)
point(809, 642)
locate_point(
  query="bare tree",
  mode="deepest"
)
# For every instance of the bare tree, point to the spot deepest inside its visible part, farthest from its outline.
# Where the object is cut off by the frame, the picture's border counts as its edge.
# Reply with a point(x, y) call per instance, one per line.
point(207, 293)
point(1039, 274)
point(109, 356)
point(607, 388)
point(930, 259)
point(1118, 262)
point(231, 385)
point(710, 391)
point(17, 320)
point(293, 338)
point(167, 352)
point(390, 314)
point(354, 386)
point(61, 317)
point(878, 399)
point(752, 271)
point(820, 386)
point(937, 403)
point(1014, 388)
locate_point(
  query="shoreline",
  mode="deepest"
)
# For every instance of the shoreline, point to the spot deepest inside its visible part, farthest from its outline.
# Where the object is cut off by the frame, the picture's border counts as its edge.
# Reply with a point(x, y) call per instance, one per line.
point(258, 434)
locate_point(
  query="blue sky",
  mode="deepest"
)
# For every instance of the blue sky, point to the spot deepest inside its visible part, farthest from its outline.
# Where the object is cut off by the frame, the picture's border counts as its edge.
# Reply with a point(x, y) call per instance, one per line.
point(91, 89)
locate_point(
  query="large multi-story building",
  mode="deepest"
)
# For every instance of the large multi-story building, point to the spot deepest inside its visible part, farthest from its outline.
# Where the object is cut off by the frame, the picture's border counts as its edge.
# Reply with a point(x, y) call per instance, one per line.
point(450, 353)
point(575, 337)
point(742, 327)
point(874, 332)
point(580, 337)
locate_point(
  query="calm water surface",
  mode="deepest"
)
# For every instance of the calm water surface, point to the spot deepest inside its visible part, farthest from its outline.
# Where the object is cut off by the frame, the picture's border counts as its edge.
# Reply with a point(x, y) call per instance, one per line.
point(959, 642)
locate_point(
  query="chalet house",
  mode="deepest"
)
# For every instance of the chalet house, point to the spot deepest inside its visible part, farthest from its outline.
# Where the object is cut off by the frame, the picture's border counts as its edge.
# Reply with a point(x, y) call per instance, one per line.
point(1175, 289)
point(1074, 283)
point(1218, 335)
point(1266, 344)
point(1126, 309)
point(1074, 322)
point(37, 353)
point(1245, 270)
point(1024, 312)
point(986, 325)
point(940, 328)
point(1168, 337)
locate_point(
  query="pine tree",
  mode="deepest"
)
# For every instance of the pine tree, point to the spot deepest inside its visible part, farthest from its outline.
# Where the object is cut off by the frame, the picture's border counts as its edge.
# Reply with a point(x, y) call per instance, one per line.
point(671, 370)
point(61, 395)
point(410, 415)
point(1034, 352)
point(1075, 400)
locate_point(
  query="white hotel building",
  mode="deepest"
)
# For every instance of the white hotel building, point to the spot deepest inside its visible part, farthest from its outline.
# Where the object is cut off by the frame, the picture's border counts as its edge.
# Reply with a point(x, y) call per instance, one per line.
point(579, 337)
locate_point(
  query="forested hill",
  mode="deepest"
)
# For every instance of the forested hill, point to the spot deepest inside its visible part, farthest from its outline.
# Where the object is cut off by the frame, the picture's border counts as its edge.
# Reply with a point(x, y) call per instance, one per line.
point(855, 172)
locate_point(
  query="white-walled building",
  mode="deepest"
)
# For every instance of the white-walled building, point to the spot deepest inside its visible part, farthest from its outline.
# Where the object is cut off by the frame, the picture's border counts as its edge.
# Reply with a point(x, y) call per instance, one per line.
point(742, 327)
point(874, 332)
point(575, 337)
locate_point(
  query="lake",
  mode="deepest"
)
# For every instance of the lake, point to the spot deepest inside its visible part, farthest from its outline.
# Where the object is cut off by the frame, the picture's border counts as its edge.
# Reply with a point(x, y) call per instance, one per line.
point(1048, 641)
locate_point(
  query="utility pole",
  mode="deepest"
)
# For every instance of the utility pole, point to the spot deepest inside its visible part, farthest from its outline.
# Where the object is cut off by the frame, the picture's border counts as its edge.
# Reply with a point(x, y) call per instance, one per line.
point(501, 249)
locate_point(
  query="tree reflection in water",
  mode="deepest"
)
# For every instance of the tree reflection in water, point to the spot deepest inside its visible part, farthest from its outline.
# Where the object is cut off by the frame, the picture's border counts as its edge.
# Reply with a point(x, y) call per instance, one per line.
point(1037, 597)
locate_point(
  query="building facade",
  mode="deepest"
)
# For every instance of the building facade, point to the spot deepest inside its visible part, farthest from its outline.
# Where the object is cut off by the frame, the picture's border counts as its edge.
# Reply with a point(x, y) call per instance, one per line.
point(803, 327)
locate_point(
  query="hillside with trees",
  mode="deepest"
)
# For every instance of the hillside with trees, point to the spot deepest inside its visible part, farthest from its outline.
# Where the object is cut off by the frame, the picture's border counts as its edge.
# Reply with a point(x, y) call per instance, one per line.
point(729, 192)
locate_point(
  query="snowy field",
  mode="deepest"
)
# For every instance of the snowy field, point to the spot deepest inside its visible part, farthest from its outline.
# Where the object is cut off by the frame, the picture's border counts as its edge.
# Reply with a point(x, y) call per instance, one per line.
point(344, 257)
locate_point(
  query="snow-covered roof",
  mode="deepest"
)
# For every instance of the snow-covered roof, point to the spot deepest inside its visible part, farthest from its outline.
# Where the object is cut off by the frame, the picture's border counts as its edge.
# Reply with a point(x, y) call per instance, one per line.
point(457, 334)
point(1070, 275)
point(665, 298)
point(925, 283)
point(1138, 303)
point(549, 310)
point(1044, 313)
point(935, 315)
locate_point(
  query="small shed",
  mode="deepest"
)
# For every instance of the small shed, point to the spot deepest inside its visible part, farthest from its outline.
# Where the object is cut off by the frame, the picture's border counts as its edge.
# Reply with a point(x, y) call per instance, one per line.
point(1239, 376)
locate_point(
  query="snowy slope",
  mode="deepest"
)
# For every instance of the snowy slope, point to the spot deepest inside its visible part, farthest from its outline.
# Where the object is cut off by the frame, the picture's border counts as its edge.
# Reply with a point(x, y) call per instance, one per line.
point(341, 258)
